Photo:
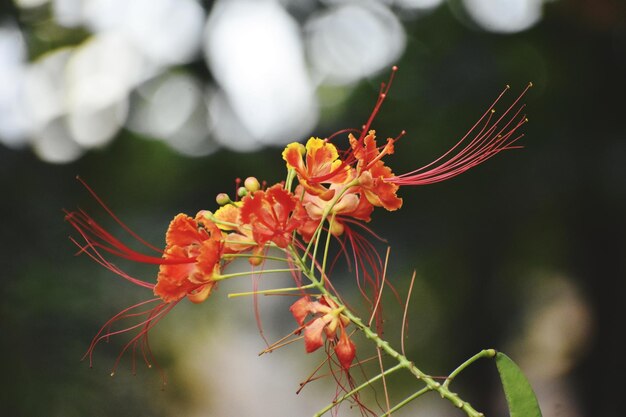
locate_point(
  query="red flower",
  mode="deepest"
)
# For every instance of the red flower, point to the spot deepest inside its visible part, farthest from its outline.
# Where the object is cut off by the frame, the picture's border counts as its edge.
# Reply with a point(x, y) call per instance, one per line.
point(273, 215)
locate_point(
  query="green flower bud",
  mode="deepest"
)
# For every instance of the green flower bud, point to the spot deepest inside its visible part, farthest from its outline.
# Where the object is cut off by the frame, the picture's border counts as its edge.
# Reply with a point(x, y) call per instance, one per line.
point(222, 199)
point(252, 184)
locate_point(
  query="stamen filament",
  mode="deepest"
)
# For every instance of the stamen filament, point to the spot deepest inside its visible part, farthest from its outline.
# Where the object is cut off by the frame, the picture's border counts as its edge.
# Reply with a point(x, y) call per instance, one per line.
point(357, 389)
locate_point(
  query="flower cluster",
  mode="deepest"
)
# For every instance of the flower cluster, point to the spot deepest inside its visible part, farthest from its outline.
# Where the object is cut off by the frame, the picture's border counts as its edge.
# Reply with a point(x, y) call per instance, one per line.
point(327, 191)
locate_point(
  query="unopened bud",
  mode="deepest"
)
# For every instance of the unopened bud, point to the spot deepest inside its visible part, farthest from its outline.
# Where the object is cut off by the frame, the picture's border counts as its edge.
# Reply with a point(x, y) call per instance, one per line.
point(252, 184)
point(222, 199)
point(242, 192)
point(204, 215)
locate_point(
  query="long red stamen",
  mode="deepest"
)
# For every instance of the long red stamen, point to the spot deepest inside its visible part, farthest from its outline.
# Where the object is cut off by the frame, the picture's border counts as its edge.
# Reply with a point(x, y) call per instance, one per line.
point(97, 237)
point(492, 138)
point(97, 257)
point(383, 150)
point(384, 89)
point(117, 220)
point(350, 159)
point(104, 332)
point(154, 317)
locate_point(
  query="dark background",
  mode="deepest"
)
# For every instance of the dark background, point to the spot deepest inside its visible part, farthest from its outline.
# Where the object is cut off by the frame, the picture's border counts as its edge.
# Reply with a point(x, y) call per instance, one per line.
point(526, 253)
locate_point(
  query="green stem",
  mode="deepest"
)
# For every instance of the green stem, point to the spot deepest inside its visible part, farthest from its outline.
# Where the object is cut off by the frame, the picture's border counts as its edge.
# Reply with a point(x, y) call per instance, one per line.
point(406, 401)
point(271, 291)
point(324, 216)
point(485, 353)
point(330, 225)
point(405, 363)
point(243, 274)
point(291, 174)
point(249, 255)
point(402, 360)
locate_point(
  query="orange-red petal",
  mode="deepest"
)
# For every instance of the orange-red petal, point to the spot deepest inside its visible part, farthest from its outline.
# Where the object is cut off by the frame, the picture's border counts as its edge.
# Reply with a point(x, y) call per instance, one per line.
point(183, 231)
point(273, 215)
point(322, 165)
point(345, 350)
point(373, 172)
point(190, 259)
point(313, 335)
point(300, 309)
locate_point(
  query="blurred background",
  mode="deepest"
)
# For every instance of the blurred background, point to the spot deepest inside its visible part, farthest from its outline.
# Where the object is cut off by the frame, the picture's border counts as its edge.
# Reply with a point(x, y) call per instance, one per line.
point(161, 104)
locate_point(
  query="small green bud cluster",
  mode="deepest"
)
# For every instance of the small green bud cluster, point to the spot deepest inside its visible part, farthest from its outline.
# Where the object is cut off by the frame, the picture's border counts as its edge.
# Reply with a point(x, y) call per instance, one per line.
point(250, 185)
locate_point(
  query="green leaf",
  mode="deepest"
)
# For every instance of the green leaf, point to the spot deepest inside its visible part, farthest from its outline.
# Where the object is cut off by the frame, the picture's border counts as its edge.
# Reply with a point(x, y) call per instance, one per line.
point(519, 394)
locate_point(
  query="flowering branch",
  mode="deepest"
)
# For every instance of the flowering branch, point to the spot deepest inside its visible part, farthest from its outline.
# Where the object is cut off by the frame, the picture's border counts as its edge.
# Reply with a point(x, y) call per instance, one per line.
point(326, 191)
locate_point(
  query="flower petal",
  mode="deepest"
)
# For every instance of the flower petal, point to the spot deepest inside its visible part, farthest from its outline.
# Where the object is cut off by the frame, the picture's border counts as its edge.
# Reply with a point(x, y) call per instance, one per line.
point(183, 231)
point(313, 335)
point(300, 309)
point(345, 350)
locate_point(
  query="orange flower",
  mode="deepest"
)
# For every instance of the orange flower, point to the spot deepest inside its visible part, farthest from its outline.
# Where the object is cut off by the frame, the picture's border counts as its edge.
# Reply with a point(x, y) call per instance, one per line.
point(372, 172)
point(327, 321)
point(323, 165)
point(187, 265)
point(191, 258)
point(273, 215)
